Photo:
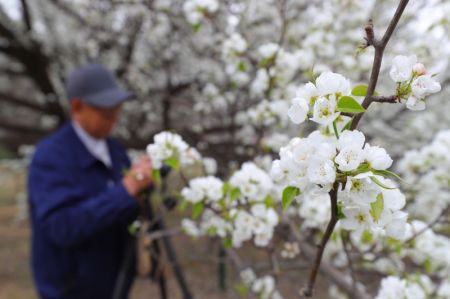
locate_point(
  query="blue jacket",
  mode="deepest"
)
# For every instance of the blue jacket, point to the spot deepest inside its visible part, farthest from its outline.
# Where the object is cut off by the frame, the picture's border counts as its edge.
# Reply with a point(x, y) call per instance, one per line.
point(80, 211)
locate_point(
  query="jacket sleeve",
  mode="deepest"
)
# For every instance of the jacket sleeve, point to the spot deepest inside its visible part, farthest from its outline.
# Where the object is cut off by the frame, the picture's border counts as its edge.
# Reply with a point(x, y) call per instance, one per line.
point(59, 206)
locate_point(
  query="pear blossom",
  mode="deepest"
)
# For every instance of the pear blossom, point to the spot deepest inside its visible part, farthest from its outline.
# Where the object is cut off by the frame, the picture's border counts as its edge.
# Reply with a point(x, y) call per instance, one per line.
point(377, 157)
point(208, 189)
point(349, 158)
point(298, 110)
point(268, 51)
point(324, 110)
point(169, 145)
point(321, 171)
point(424, 85)
point(415, 104)
point(332, 83)
point(402, 67)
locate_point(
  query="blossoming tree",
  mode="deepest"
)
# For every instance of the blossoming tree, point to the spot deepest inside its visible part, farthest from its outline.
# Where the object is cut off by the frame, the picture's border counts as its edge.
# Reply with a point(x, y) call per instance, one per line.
point(253, 84)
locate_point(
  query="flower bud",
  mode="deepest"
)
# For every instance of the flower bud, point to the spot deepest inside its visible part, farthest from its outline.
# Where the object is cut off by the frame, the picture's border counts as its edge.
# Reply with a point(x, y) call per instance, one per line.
point(419, 69)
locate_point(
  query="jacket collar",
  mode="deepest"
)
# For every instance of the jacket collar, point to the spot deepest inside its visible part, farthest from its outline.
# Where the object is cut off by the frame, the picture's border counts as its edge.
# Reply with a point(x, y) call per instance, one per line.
point(85, 158)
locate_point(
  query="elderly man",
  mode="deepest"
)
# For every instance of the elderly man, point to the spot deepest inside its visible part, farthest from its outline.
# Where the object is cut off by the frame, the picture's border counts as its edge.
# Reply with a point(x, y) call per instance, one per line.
point(80, 202)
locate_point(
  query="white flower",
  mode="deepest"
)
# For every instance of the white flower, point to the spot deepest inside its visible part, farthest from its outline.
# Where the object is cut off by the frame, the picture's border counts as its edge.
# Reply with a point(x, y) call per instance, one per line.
point(248, 276)
point(308, 91)
point(210, 165)
point(321, 171)
point(269, 50)
point(349, 158)
point(377, 157)
point(357, 218)
point(415, 104)
point(264, 286)
point(424, 85)
point(360, 188)
point(203, 188)
point(351, 138)
point(402, 68)
point(190, 228)
point(298, 110)
point(332, 83)
point(324, 111)
point(234, 45)
point(392, 288)
point(254, 183)
point(397, 226)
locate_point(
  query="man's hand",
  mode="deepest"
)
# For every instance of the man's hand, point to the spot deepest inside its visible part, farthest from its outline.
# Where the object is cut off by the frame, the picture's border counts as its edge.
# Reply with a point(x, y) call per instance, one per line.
point(139, 177)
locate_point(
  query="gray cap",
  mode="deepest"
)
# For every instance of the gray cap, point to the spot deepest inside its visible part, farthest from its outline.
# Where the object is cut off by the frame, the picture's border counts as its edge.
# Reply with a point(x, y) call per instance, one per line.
point(95, 85)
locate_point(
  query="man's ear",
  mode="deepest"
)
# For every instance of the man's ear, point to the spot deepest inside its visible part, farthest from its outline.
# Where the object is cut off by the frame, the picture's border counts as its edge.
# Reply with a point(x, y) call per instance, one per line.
point(76, 105)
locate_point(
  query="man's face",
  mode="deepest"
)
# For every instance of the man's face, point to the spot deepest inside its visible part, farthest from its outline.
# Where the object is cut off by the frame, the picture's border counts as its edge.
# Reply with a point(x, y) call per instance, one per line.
point(97, 122)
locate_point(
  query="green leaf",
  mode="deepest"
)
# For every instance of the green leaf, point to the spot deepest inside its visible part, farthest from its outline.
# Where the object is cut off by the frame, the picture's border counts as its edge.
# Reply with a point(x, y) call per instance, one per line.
point(227, 243)
point(340, 213)
point(197, 210)
point(359, 90)
point(225, 188)
point(197, 27)
point(156, 176)
point(386, 173)
point(242, 290)
point(366, 237)
point(269, 201)
point(377, 207)
point(182, 206)
point(335, 130)
point(133, 229)
point(235, 193)
point(349, 104)
point(211, 231)
point(173, 162)
point(242, 66)
point(428, 266)
point(289, 193)
point(376, 181)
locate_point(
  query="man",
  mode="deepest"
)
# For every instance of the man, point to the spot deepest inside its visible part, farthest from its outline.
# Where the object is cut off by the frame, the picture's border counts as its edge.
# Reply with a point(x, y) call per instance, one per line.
point(80, 202)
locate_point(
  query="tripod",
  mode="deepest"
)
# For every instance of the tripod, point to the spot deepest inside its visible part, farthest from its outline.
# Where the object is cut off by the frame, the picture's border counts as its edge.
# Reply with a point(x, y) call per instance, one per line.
point(128, 268)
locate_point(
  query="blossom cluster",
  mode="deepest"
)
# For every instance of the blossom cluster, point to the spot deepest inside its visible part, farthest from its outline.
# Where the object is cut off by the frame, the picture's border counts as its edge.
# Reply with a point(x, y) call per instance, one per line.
point(413, 82)
point(417, 287)
point(320, 99)
point(196, 10)
point(368, 200)
point(428, 247)
point(241, 209)
point(171, 149)
point(427, 171)
point(264, 286)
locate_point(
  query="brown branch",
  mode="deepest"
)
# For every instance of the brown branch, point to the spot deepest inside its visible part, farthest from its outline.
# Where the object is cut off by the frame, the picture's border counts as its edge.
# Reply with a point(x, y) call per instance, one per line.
point(326, 269)
point(21, 128)
point(21, 102)
point(308, 291)
point(26, 15)
point(345, 245)
point(429, 225)
point(379, 46)
point(385, 99)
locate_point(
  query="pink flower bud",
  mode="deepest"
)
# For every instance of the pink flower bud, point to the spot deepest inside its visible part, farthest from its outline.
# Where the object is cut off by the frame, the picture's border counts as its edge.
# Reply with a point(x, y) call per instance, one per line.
point(419, 69)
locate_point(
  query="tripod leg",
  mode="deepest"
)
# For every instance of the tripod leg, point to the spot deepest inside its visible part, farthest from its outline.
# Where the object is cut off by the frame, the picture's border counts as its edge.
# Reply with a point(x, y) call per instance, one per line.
point(156, 272)
point(127, 271)
point(175, 266)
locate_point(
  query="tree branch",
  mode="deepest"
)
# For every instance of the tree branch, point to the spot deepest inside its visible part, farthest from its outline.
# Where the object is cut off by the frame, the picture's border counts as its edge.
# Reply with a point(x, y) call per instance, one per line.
point(26, 15)
point(308, 291)
point(326, 269)
point(379, 46)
